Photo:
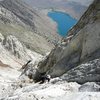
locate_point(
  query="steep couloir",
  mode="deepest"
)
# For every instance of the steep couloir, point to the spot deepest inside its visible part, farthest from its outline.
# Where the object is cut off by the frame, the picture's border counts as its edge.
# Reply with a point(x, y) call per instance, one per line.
point(83, 47)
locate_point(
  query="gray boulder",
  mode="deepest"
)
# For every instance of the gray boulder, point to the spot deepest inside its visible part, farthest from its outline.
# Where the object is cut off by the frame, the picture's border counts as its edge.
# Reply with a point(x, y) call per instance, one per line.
point(12, 44)
point(90, 87)
point(87, 72)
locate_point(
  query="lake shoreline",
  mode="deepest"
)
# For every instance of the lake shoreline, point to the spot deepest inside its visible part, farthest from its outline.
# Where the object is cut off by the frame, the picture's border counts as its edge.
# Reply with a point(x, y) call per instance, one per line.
point(64, 21)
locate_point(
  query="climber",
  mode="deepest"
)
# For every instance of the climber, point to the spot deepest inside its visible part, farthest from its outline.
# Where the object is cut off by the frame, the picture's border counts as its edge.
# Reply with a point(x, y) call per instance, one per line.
point(24, 66)
point(45, 78)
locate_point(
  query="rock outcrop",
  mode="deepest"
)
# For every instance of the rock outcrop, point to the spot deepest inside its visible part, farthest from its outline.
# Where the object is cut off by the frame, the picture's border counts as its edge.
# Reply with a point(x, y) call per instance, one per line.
point(14, 54)
point(83, 47)
point(16, 48)
point(89, 71)
point(89, 87)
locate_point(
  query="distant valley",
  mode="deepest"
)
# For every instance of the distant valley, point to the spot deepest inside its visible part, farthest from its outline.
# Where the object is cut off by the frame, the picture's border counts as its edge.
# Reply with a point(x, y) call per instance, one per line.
point(29, 25)
point(73, 7)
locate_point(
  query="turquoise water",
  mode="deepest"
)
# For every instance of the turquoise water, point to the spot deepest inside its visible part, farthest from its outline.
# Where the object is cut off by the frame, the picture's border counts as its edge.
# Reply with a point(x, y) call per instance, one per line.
point(64, 21)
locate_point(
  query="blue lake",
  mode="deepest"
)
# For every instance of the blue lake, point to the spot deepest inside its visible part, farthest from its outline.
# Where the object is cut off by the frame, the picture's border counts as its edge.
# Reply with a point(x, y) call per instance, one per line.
point(63, 20)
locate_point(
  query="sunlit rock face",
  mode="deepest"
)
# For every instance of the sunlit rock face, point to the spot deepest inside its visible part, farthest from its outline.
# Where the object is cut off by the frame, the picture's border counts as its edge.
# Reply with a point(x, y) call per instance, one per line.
point(13, 54)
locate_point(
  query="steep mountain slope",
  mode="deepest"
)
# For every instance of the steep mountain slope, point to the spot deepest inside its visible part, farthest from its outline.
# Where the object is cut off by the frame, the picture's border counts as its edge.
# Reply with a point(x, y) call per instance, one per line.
point(83, 47)
point(83, 50)
point(28, 25)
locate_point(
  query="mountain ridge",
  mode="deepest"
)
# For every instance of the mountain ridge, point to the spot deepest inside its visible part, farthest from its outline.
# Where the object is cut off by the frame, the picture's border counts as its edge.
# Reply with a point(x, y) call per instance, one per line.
point(73, 7)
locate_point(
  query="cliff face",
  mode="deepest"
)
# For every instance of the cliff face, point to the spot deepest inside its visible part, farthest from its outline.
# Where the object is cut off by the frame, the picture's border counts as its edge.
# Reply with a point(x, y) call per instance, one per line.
point(29, 25)
point(14, 53)
point(83, 47)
